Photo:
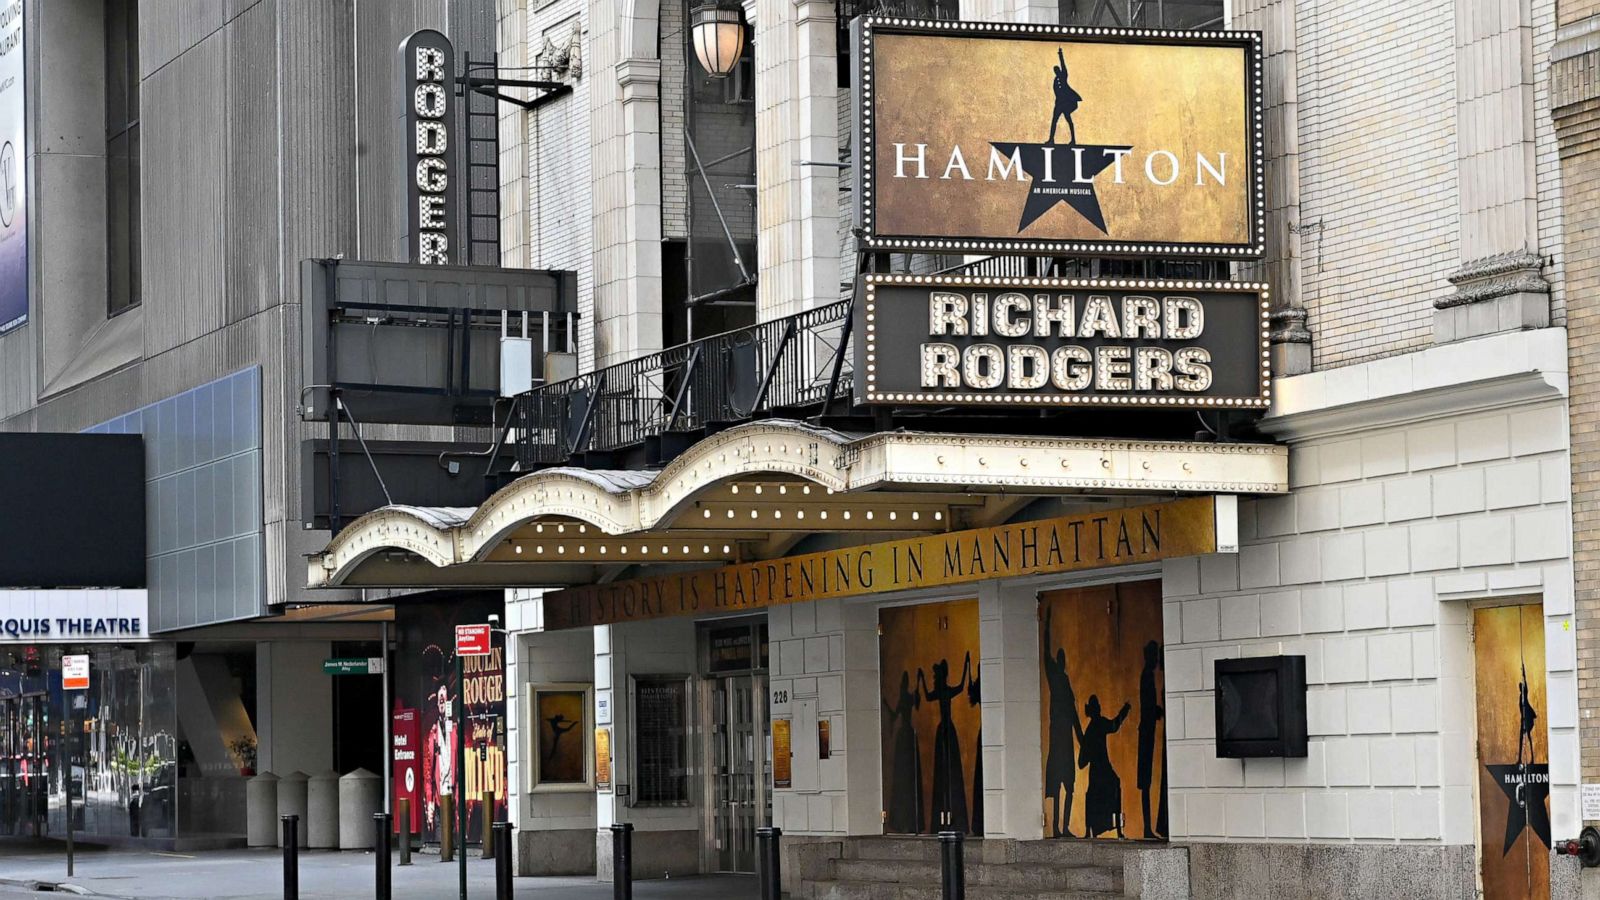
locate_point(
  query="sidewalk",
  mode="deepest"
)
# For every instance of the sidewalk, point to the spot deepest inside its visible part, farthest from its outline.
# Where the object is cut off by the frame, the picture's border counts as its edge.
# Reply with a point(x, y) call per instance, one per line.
point(258, 875)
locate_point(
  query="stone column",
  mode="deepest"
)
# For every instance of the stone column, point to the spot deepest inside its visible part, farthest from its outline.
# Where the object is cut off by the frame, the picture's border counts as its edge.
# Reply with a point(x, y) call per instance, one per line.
point(625, 110)
point(1286, 230)
point(1039, 12)
point(1013, 772)
point(817, 140)
point(1500, 285)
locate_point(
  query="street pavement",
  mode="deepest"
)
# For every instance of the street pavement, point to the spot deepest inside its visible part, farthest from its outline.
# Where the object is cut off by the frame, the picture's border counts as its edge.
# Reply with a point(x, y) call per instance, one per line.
point(242, 874)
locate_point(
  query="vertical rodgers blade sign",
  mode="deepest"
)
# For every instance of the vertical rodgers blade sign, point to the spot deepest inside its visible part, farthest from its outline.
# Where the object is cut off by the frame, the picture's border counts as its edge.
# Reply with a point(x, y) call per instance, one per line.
point(13, 151)
point(427, 73)
point(1048, 139)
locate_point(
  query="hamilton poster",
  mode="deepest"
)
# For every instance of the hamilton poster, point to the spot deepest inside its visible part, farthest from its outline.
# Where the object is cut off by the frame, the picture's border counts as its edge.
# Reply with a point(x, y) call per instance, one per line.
point(1103, 731)
point(1058, 139)
point(425, 681)
point(932, 723)
point(1513, 752)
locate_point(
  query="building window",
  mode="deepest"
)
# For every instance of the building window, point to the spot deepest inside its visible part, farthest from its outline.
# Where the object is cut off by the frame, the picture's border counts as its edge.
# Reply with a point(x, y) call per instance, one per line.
point(122, 155)
point(1190, 15)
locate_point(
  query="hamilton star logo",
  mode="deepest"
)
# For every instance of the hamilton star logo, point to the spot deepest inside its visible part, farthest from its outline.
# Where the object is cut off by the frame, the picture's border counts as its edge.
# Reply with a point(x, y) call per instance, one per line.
point(1062, 174)
point(1526, 784)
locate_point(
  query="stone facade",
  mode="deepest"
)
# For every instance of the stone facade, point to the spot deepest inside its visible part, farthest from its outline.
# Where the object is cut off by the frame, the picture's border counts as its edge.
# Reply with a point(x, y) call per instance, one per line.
point(1574, 81)
point(1417, 250)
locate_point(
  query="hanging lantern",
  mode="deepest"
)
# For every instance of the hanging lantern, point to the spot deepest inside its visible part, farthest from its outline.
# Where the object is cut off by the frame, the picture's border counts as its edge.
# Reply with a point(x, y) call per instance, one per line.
point(718, 30)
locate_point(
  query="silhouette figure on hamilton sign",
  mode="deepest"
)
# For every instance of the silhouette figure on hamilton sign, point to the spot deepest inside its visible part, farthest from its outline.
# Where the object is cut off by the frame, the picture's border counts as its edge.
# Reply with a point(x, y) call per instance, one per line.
point(1060, 769)
point(905, 785)
point(1102, 805)
point(1527, 716)
point(1150, 712)
point(1066, 102)
point(949, 782)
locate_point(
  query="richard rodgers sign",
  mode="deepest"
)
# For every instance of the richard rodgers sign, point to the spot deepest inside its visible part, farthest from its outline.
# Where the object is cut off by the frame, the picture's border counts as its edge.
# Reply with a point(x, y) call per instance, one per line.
point(952, 340)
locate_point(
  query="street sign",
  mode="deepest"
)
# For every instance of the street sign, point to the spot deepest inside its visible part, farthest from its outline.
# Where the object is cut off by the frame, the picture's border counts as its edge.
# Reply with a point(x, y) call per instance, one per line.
point(75, 673)
point(472, 640)
point(353, 665)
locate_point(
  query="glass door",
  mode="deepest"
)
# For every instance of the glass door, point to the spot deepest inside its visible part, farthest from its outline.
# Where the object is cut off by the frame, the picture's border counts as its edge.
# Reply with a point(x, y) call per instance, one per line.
point(740, 801)
point(23, 773)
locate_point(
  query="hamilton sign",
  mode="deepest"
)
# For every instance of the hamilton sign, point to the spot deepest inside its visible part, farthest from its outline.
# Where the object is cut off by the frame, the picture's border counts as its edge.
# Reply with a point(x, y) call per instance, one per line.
point(1034, 138)
point(958, 340)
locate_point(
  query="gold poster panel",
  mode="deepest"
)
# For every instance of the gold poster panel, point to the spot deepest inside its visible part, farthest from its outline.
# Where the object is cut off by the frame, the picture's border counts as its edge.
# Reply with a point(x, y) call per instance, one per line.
point(602, 757)
point(932, 723)
point(1103, 732)
point(782, 754)
point(1513, 752)
point(1059, 139)
point(560, 714)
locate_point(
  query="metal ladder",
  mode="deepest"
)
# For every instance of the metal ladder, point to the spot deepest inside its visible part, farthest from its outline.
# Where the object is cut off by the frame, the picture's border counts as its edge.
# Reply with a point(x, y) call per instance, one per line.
point(482, 164)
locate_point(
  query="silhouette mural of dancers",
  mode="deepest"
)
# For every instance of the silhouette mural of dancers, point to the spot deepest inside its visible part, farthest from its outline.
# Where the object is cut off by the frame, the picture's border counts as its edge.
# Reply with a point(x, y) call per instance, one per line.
point(1102, 803)
point(558, 726)
point(1150, 712)
point(949, 781)
point(1060, 768)
point(905, 765)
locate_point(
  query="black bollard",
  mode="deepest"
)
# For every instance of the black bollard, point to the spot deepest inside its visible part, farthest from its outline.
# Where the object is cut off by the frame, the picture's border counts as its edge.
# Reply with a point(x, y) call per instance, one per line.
point(952, 868)
point(502, 861)
point(291, 857)
point(381, 822)
point(769, 882)
point(405, 837)
point(622, 861)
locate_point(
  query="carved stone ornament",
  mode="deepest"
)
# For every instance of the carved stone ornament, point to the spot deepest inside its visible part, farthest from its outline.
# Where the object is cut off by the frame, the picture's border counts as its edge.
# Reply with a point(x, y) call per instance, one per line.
point(1496, 276)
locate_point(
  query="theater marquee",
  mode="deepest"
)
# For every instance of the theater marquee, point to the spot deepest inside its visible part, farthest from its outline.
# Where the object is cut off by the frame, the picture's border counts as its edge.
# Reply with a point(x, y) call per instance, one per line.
point(1075, 543)
point(1037, 138)
point(952, 340)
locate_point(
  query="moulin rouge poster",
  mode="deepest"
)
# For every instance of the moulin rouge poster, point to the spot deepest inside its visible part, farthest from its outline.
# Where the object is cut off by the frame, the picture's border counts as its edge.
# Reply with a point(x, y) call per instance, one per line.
point(425, 682)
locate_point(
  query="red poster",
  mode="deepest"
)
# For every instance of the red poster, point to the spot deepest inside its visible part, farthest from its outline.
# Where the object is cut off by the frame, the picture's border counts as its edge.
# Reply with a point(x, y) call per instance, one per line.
point(407, 772)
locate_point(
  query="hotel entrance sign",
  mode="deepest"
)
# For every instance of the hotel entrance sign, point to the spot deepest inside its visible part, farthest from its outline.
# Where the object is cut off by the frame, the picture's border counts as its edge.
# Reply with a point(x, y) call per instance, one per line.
point(1002, 137)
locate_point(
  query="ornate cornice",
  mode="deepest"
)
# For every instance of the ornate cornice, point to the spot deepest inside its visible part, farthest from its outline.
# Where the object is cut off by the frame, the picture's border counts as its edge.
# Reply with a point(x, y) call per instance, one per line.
point(1287, 325)
point(1491, 277)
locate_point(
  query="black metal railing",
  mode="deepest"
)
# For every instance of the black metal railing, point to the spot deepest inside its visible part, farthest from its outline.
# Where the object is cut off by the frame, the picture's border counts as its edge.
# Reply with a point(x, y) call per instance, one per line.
point(790, 365)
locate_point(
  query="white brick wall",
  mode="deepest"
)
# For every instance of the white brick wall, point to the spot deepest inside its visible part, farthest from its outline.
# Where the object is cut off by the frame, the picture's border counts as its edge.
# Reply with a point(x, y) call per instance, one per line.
point(1370, 569)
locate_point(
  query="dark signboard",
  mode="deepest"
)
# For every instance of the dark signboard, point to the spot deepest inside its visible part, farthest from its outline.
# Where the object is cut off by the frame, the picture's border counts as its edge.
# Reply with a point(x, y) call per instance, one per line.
point(73, 511)
point(957, 340)
point(1041, 138)
point(13, 183)
point(427, 74)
